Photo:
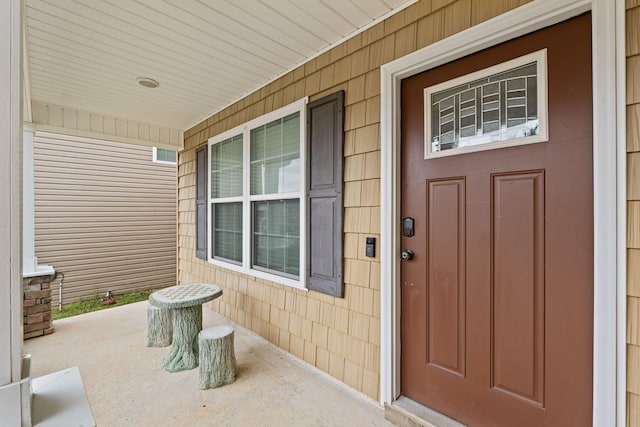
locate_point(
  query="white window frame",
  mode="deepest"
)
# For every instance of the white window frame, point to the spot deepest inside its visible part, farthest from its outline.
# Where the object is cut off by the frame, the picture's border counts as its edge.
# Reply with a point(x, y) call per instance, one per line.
point(246, 198)
point(164, 162)
point(222, 200)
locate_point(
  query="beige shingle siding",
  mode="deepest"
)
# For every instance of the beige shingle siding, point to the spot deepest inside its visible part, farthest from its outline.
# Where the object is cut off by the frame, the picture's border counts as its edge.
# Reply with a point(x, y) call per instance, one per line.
point(632, 49)
point(105, 215)
point(340, 336)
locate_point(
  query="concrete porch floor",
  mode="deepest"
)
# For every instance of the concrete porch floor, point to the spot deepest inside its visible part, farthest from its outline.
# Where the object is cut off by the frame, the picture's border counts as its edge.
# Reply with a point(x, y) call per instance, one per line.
point(127, 386)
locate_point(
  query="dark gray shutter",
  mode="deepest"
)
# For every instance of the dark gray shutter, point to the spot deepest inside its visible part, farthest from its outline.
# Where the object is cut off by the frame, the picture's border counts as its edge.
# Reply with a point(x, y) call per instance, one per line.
point(325, 138)
point(201, 202)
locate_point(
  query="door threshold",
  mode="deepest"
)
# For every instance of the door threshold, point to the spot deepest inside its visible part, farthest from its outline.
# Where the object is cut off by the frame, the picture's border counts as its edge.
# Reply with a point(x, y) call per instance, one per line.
point(405, 412)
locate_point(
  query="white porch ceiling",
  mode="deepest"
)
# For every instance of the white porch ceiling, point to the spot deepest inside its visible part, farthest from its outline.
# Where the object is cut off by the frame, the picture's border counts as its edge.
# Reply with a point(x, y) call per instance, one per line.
point(206, 54)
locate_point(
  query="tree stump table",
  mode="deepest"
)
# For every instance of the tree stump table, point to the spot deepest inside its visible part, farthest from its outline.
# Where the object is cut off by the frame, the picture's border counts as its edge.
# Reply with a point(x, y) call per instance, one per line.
point(217, 357)
point(186, 302)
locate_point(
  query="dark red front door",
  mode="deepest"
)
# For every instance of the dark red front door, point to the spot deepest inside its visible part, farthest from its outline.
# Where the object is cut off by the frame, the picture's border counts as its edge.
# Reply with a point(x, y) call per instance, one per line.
point(497, 303)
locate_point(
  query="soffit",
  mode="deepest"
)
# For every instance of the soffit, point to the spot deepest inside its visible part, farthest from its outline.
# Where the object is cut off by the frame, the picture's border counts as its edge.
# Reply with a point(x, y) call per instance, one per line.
point(206, 54)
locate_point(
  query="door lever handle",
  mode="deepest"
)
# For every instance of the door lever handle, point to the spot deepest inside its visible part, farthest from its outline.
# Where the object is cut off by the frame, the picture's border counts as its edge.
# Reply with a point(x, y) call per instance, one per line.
point(407, 255)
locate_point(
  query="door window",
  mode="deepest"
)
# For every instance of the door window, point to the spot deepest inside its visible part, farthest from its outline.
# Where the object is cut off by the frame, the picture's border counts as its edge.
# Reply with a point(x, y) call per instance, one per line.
point(500, 106)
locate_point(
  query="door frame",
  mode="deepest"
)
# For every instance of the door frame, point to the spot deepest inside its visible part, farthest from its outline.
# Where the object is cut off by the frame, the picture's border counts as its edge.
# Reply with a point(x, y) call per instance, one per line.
point(609, 184)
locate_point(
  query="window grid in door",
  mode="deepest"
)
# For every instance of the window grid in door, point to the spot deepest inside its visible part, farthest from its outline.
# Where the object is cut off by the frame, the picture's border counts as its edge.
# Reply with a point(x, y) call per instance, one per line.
point(499, 106)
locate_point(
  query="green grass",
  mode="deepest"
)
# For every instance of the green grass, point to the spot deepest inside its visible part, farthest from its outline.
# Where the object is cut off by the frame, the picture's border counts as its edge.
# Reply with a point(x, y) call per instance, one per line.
point(94, 304)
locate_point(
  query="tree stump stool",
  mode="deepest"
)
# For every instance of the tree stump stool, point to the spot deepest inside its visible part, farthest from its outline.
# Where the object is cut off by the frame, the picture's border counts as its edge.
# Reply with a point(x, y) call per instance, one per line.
point(159, 326)
point(217, 357)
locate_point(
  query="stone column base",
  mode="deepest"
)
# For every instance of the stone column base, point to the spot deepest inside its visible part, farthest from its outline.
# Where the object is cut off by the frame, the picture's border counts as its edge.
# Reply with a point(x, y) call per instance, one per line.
point(36, 306)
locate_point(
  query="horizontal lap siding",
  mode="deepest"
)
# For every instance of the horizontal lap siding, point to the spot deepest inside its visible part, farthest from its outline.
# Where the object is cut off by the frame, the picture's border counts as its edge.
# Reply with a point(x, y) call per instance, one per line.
point(340, 336)
point(105, 216)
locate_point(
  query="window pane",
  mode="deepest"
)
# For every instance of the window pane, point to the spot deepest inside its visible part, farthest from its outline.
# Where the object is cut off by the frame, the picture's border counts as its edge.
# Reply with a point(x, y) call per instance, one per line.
point(165, 155)
point(499, 107)
point(257, 143)
point(276, 253)
point(273, 139)
point(271, 175)
point(227, 231)
point(276, 238)
point(275, 156)
point(261, 255)
point(275, 220)
point(226, 168)
point(291, 135)
point(289, 176)
point(292, 257)
point(292, 212)
point(171, 156)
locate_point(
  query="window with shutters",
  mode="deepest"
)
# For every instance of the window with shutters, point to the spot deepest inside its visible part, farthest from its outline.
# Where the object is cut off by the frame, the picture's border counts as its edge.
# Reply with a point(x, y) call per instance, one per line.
point(256, 198)
point(269, 196)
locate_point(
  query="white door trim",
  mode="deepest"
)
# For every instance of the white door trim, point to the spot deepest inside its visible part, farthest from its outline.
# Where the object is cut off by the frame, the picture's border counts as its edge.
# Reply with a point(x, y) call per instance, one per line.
point(609, 365)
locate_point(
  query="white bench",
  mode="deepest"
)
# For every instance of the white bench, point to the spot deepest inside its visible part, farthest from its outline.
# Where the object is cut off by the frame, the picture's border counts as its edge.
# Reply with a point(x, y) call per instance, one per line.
point(159, 326)
point(216, 357)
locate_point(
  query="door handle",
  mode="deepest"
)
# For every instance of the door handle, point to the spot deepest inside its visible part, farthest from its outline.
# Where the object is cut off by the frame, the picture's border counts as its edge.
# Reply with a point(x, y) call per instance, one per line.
point(407, 255)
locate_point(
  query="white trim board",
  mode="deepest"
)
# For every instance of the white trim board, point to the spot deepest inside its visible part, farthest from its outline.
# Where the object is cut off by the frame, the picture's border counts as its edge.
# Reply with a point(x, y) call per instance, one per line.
point(14, 406)
point(86, 124)
point(621, 205)
point(609, 369)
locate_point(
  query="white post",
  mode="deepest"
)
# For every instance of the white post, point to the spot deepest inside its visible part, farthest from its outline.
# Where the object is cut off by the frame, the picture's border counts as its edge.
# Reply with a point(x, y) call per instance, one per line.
point(29, 260)
point(12, 402)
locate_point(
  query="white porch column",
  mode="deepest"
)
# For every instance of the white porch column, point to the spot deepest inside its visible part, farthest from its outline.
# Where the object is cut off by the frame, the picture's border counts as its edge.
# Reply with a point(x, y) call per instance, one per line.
point(29, 260)
point(14, 404)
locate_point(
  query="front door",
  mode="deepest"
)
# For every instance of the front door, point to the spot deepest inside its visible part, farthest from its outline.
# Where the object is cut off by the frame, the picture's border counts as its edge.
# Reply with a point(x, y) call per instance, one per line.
point(497, 300)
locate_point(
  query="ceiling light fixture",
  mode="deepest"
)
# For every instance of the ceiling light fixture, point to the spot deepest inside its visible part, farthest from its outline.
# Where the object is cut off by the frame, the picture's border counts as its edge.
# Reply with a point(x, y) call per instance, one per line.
point(147, 82)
